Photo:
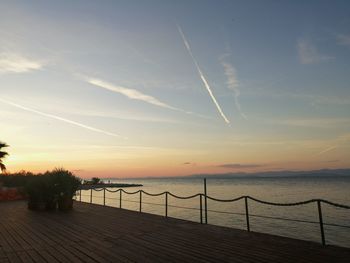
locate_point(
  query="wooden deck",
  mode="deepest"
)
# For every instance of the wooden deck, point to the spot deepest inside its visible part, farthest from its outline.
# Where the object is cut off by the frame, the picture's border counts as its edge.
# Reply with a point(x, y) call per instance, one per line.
point(93, 233)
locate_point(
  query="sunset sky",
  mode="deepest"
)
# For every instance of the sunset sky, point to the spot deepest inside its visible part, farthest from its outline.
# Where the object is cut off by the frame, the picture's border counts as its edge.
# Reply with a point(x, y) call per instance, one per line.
point(166, 88)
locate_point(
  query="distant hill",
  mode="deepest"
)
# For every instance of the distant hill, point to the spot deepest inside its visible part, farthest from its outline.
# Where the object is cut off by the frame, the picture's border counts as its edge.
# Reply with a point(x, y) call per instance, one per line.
point(283, 173)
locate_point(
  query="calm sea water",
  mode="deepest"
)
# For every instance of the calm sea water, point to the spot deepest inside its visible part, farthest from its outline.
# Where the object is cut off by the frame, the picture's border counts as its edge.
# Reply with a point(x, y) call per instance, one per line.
point(335, 189)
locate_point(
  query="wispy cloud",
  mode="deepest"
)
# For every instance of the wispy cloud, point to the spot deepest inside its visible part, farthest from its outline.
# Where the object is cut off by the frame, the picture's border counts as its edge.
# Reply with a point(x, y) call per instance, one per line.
point(343, 40)
point(240, 166)
point(59, 118)
point(232, 82)
point(15, 63)
point(205, 82)
point(315, 122)
point(189, 164)
point(309, 54)
point(318, 99)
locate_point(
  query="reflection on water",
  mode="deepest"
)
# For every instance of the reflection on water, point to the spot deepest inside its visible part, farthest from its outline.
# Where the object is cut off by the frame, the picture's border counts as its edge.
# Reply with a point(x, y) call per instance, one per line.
point(232, 214)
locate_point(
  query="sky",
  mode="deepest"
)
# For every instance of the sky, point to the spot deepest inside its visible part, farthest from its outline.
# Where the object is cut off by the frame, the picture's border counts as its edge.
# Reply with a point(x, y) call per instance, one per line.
point(166, 88)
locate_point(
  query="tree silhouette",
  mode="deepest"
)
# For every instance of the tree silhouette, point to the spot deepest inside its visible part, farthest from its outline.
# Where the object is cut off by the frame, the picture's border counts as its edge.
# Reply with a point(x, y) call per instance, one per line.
point(2, 156)
point(95, 180)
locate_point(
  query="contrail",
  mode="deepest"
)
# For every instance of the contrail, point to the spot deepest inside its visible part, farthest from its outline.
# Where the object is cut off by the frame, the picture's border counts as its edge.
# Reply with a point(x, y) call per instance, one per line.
point(60, 119)
point(136, 95)
point(205, 82)
point(130, 93)
point(327, 150)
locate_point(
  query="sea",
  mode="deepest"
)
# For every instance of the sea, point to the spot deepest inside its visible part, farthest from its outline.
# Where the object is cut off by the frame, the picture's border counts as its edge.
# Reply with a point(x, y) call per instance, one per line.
point(301, 222)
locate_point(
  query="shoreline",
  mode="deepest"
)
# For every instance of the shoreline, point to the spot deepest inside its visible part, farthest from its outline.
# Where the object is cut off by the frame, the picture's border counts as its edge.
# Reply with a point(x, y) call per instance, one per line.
point(115, 185)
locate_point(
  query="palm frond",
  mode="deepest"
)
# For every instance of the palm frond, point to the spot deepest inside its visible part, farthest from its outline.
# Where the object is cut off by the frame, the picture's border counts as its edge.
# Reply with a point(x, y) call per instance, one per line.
point(2, 167)
point(3, 154)
point(2, 145)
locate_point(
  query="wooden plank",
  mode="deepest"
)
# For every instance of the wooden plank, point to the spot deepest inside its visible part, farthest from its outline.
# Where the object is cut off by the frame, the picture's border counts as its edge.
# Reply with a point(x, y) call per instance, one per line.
point(93, 233)
point(35, 256)
point(13, 257)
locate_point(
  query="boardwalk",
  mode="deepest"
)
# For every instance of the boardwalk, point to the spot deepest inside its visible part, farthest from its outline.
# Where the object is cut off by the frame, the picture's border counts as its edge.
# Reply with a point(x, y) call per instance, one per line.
point(93, 233)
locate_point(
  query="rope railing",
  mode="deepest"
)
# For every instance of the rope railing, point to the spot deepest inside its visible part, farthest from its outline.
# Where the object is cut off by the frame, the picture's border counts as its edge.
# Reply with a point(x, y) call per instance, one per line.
point(183, 197)
point(152, 194)
point(205, 196)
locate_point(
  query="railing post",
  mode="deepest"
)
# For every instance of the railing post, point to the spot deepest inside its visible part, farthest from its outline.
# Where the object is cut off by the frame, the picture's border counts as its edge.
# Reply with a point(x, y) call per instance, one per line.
point(104, 196)
point(247, 212)
point(91, 196)
point(201, 208)
point(205, 201)
point(120, 198)
point(166, 204)
point(80, 195)
point(140, 201)
point(321, 222)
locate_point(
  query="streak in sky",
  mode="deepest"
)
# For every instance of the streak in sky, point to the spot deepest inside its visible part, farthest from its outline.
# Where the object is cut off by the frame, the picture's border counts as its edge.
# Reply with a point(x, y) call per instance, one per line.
point(136, 95)
point(327, 150)
point(60, 118)
point(205, 82)
point(130, 93)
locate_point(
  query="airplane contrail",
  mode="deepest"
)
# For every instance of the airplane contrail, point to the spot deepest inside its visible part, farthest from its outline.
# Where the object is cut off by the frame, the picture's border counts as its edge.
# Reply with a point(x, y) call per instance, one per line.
point(205, 82)
point(327, 150)
point(136, 95)
point(60, 119)
point(130, 93)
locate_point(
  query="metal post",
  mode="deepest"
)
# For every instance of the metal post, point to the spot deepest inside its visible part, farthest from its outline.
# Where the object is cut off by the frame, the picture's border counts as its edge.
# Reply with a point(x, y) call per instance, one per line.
point(104, 196)
point(91, 196)
point(166, 204)
point(201, 208)
point(140, 201)
point(120, 198)
point(247, 212)
point(205, 202)
point(321, 222)
point(80, 196)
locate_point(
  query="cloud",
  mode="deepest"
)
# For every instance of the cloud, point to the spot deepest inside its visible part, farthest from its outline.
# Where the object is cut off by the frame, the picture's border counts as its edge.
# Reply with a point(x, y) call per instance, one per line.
point(232, 82)
point(308, 53)
point(343, 40)
point(189, 163)
point(205, 82)
point(59, 118)
point(15, 63)
point(240, 166)
point(315, 122)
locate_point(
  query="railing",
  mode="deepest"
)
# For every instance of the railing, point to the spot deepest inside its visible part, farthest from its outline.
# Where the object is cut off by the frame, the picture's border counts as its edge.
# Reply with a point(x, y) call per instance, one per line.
point(205, 208)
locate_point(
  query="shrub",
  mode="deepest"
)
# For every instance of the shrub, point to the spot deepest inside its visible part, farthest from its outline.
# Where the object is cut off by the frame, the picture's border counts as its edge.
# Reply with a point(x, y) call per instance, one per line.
point(39, 192)
point(46, 190)
point(66, 184)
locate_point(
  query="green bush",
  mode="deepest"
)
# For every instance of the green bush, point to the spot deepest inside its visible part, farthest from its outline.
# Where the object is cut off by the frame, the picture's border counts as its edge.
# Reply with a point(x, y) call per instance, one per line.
point(65, 183)
point(46, 190)
point(39, 191)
